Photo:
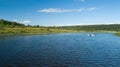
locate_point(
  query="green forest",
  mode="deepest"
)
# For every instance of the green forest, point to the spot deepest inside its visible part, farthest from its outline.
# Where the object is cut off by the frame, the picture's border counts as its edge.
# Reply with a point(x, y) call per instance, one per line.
point(11, 27)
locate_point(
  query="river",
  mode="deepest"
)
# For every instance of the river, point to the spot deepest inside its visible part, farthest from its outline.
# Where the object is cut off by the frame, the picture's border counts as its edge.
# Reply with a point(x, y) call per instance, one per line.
point(60, 50)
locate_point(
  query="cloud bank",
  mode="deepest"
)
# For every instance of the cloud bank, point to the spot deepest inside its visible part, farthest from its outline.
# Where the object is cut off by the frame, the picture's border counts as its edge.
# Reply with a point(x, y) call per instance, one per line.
point(59, 10)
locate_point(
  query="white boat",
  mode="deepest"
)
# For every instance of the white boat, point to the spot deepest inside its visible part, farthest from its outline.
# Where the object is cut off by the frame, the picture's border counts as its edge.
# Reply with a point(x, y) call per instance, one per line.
point(91, 35)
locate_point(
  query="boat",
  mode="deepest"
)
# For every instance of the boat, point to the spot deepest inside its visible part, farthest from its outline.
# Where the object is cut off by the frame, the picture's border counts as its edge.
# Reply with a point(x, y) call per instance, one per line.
point(91, 35)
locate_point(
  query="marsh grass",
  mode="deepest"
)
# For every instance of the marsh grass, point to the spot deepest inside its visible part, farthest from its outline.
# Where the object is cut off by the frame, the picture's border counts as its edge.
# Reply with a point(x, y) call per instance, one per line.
point(30, 30)
point(118, 33)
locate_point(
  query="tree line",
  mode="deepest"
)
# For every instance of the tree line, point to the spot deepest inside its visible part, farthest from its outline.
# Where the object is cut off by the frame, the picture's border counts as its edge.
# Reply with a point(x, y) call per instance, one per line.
point(6, 23)
point(109, 27)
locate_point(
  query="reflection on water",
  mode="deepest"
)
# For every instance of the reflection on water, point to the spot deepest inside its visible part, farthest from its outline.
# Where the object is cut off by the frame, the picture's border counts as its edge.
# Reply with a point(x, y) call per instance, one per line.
point(60, 50)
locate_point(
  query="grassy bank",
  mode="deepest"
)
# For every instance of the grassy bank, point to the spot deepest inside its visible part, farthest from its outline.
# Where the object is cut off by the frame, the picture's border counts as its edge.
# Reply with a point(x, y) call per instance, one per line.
point(11, 27)
point(118, 34)
point(31, 31)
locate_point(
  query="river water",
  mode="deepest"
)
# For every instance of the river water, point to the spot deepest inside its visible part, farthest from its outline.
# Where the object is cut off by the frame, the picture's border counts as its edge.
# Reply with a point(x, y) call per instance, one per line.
point(60, 50)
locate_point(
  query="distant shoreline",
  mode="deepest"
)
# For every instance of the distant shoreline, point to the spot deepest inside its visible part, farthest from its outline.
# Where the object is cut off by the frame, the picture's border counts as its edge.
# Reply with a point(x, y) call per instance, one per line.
point(10, 27)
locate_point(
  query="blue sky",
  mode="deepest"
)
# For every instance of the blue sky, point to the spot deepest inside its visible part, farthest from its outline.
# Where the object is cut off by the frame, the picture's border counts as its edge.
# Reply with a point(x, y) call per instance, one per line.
point(61, 12)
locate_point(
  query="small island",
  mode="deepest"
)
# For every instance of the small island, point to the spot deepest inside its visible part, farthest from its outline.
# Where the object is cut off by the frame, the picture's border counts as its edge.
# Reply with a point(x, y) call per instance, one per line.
point(11, 27)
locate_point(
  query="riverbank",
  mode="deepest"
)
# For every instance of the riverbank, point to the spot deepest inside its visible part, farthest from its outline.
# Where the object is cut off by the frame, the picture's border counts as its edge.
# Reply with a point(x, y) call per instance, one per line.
point(29, 30)
point(118, 33)
point(10, 27)
point(7, 31)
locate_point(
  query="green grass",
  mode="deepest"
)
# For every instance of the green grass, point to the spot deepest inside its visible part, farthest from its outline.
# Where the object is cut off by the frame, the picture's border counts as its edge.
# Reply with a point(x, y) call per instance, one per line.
point(10, 27)
point(30, 30)
point(118, 33)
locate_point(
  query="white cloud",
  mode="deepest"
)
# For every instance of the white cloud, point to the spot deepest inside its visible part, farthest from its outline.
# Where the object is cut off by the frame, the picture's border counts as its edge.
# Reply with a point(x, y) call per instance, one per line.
point(24, 21)
point(91, 9)
point(80, 0)
point(53, 10)
point(16, 21)
point(58, 10)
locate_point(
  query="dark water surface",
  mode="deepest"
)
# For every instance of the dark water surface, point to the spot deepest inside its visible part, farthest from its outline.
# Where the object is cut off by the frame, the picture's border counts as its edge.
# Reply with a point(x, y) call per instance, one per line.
point(60, 50)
